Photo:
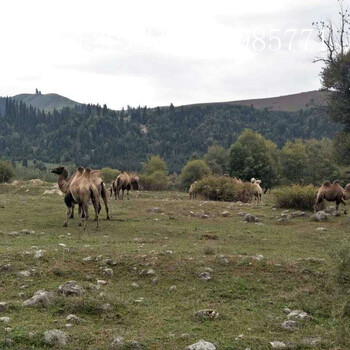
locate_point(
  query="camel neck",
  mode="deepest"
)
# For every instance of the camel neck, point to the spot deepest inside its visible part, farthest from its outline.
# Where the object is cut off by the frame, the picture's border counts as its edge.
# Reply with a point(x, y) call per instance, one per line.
point(62, 181)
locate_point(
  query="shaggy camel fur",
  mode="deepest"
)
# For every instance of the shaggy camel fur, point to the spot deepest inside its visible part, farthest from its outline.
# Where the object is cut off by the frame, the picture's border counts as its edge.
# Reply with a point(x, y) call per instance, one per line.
point(64, 183)
point(347, 192)
point(191, 191)
point(257, 191)
point(331, 193)
point(135, 182)
point(123, 183)
point(82, 189)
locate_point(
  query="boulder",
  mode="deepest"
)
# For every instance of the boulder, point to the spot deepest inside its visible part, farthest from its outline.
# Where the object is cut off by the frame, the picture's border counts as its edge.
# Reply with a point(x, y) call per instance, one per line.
point(55, 337)
point(201, 345)
point(40, 298)
point(206, 314)
point(71, 288)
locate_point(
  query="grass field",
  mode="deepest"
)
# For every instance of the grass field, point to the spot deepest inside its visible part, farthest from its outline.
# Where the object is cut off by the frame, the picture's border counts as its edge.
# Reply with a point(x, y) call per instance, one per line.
point(156, 309)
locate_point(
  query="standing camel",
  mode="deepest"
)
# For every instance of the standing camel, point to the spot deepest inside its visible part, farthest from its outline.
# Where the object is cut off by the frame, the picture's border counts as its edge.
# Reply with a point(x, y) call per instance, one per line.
point(331, 193)
point(64, 183)
point(82, 189)
point(123, 183)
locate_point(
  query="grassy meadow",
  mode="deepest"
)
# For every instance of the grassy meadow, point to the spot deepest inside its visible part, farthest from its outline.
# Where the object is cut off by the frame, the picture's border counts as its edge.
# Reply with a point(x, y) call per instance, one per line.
point(156, 257)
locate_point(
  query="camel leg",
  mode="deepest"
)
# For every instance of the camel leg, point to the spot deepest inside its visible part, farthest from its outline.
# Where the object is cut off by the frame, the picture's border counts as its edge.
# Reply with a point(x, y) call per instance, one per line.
point(85, 210)
point(97, 208)
point(342, 201)
point(105, 201)
point(65, 224)
point(127, 194)
point(123, 193)
point(81, 214)
point(72, 212)
point(318, 201)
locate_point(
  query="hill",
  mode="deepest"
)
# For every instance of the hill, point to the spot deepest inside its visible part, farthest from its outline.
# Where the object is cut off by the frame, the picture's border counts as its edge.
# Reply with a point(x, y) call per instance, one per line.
point(287, 103)
point(46, 102)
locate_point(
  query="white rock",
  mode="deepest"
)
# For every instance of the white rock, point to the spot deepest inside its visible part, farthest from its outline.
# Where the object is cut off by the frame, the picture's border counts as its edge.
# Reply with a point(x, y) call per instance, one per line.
point(55, 337)
point(71, 288)
point(202, 345)
point(5, 319)
point(73, 318)
point(24, 273)
point(297, 314)
point(101, 282)
point(38, 254)
point(40, 297)
point(289, 325)
point(278, 344)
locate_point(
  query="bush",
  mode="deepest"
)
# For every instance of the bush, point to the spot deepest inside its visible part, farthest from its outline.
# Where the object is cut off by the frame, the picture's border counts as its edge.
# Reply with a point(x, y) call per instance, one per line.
point(6, 171)
point(342, 256)
point(109, 174)
point(224, 189)
point(194, 170)
point(157, 181)
point(296, 196)
point(155, 164)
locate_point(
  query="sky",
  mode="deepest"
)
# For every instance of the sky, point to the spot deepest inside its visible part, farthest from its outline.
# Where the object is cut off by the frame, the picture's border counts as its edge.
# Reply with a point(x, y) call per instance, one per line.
point(155, 52)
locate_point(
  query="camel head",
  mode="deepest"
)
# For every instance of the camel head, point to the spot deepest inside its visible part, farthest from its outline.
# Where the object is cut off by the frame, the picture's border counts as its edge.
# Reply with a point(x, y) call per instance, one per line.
point(258, 182)
point(59, 170)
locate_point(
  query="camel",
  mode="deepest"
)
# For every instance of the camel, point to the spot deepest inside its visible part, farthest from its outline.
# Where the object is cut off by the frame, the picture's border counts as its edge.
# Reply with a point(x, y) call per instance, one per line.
point(135, 182)
point(81, 190)
point(64, 183)
point(191, 191)
point(257, 190)
point(347, 192)
point(122, 182)
point(331, 193)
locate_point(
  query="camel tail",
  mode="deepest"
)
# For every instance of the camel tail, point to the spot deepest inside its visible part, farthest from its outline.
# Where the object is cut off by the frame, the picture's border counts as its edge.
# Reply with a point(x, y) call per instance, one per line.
point(95, 199)
point(103, 190)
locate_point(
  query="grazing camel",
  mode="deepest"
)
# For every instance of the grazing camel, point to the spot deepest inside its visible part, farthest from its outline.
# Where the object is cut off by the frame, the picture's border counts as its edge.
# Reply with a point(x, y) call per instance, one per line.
point(331, 193)
point(135, 182)
point(257, 190)
point(64, 183)
point(122, 182)
point(81, 190)
point(347, 192)
point(191, 191)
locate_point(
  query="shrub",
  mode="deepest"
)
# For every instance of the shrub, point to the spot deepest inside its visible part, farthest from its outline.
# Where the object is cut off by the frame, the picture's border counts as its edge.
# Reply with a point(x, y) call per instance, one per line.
point(156, 163)
point(6, 171)
point(109, 174)
point(157, 181)
point(342, 256)
point(224, 189)
point(194, 170)
point(296, 196)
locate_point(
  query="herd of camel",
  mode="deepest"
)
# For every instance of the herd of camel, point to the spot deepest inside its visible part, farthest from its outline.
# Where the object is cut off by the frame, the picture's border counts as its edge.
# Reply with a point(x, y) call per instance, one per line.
point(86, 185)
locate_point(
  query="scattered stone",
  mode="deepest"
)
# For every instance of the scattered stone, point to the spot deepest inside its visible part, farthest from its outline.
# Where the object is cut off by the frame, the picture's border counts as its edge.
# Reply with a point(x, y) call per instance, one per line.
point(223, 260)
point(242, 213)
point(55, 337)
point(204, 276)
point(38, 254)
point(135, 285)
point(5, 319)
point(25, 232)
point(315, 260)
point(101, 282)
point(311, 342)
point(283, 220)
point(25, 273)
point(155, 280)
point(225, 214)
point(3, 306)
point(321, 229)
point(201, 345)
point(98, 258)
point(73, 318)
point(62, 245)
point(204, 216)
point(71, 288)
point(319, 216)
point(168, 252)
point(117, 343)
point(184, 335)
point(150, 272)
point(192, 213)
point(68, 325)
point(13, 233)
point(156, 210)
point(206, 314)
point(278, 345)
point(172, 288)
point(87, 259)
point(40, 297)
point(287, 310)
point(105, 307)
point(289, 325)
point(258, 257)
point(298, 314)
point(250, 218)
point(330, 210)
point(298, 214)
point(108, 272)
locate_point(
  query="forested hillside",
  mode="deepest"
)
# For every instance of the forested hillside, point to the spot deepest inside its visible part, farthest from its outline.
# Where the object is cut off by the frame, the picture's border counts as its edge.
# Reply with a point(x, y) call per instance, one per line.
point(97, 136)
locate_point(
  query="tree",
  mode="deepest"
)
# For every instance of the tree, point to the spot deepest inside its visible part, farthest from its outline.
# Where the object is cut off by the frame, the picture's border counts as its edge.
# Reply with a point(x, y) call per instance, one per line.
point(217, 158)
point(6, 171)
point(156, 163)
point(194, 170)
point(109, 174)
point(25, 162)
point(335, 74)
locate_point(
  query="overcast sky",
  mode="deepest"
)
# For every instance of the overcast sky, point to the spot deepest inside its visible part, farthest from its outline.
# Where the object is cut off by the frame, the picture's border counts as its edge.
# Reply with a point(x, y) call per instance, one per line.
point(157, 52)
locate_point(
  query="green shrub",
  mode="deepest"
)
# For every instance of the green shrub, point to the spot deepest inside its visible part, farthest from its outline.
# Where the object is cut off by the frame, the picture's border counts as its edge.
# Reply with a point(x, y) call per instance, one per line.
point(6, 171)
point(296, 196)
point(342, 256)
point(157, 181)
point(194, 170)
point(109, 174)
point(224, 189)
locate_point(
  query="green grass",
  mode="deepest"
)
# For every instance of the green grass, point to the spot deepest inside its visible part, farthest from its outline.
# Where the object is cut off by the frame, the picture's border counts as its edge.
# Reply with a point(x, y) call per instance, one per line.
point(250, 295)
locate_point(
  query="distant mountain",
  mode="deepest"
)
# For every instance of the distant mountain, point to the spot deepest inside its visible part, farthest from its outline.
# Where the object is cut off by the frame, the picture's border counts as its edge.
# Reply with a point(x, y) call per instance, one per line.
point(287, 103)
point(47, 102)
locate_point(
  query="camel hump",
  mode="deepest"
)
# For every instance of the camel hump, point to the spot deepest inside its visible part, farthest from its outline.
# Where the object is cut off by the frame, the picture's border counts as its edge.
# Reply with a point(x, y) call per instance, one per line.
point(87, 172)
point(335, 182)
point(80, 169)
point(326, 184)
point(347, 188)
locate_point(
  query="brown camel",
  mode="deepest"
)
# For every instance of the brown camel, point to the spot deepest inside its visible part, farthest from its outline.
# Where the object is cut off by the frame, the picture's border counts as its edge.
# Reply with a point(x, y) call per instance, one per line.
point(191, 191)
point(135, 182)
point(81, 190)
point(331, 193)
point(347, 192)
point(123, 183)
point(64, 183)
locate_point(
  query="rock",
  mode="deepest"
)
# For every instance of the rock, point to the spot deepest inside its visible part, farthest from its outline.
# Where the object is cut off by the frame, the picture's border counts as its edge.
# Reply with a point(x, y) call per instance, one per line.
point(134, 285)
point(134, 345)
point(40, 297)
point(283, 220)
point(38, 254)
point(287, 310)
point(223, 260)
point(25, 273)
point(71, 288)
point(117, 343)
point(204, 216)
point(25, 232)
point(206, 314)
point(319, 216)
point(311, 342)
point(105, 307)
point(3, 306)
point(5, 319)
point(278, 345)
point(55, 337)
point(289, 325)
point(156, 210)
point(201, 345)
point(314, 260)
point(101, 282)
point(155, 280)
point(73, 318)
point(321, 229)
point(108, 272)
point(242, 213)
point(330, 210)
point(225, 214)
point(204, 276)
point(298, 214)
point(172, 288)
point(250, 218)
point(298, 315)
point(87, 259)
point(258, 257)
